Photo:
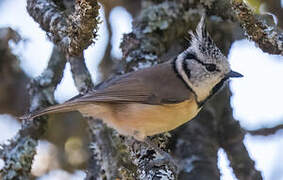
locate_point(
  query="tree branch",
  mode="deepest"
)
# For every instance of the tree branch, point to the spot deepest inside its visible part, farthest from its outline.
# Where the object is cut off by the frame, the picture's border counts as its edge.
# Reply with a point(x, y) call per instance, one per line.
point(18, 155)
point(105, 150)
point(108, 156)
point(269, 39)
point(195, 145)
point(230, 137)
point(154, 31)
point(72, 33)
point(266, 131)
point(80, 73)
point(13, 78)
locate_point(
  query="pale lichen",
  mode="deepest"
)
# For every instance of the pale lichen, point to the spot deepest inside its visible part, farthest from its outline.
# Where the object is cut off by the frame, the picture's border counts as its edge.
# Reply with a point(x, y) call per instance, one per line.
point(72, 32)
point(188, 163)
point(267, 38)
point(17, 160)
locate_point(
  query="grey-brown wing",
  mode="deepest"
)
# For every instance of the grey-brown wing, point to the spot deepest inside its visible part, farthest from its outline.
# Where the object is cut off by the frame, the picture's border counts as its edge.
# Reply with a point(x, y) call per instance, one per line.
point(156, 85)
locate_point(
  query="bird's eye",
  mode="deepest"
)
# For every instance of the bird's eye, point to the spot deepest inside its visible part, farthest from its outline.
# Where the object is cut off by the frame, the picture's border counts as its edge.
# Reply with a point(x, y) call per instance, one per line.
point(210, 67)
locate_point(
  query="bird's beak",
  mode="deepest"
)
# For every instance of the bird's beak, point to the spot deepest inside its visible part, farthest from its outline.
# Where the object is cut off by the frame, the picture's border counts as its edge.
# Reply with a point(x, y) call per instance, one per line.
point(234, 74)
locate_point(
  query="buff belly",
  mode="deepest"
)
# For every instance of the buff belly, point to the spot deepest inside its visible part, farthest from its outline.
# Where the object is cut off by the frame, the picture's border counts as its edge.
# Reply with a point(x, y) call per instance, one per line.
point(141, 120)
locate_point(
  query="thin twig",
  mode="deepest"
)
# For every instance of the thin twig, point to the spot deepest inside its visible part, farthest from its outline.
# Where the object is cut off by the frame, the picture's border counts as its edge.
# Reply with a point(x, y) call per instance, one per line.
point(266, 131)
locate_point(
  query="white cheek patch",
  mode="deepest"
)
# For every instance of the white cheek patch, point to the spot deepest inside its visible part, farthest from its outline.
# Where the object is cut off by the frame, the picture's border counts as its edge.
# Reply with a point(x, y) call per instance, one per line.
point(180, 69)
point(202, 92)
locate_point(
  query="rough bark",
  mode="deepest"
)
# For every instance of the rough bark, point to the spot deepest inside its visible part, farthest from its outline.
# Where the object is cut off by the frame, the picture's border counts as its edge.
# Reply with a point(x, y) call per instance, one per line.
point(268, 38)
point(18, 155)
point(80, 74)
point(71, 32)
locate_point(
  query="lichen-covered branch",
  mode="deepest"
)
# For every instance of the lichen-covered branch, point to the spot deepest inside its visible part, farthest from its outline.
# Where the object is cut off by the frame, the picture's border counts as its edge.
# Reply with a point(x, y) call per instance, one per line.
point(80, 73)
point(72, 33)
point(154, 31)
point(18, 154)
point(103, 161)
point(18, 157)
point(41, 89)
point(266, 131)
point(269, 39)
point(108, 158)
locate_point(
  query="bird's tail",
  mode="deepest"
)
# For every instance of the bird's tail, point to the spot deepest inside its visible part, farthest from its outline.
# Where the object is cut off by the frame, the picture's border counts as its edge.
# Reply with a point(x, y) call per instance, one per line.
point(65, 107)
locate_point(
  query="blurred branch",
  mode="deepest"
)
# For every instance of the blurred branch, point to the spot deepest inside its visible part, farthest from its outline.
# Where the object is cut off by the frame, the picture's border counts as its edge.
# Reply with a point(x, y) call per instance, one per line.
point(274, 7)
point(80, 73)
point(41, 89)
point(266, 131)
point(13, 79)
point(268, 38)
point(109, 65)
point(73, 33)
point(106, 65)
point(195, 145)
point(18, 154)
point(230, 137)
point(132, 6)
point(7, 34)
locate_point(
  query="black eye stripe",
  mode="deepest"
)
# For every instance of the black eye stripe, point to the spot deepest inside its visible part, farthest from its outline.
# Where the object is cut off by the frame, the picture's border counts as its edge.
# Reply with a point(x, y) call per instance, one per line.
point(209, 66)
point(191, 56)
point(185, 68)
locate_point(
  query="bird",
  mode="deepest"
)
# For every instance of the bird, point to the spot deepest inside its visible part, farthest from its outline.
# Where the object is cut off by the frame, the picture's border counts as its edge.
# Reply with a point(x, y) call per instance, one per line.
point(156, 99)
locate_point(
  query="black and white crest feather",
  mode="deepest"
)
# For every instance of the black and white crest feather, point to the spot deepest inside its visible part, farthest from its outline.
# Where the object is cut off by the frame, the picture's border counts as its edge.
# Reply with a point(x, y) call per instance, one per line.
point(202, 41)
point(202, 65)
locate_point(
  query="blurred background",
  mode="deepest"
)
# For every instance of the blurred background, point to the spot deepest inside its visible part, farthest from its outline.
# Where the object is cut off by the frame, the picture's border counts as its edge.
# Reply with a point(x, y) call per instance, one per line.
point(62, 153)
